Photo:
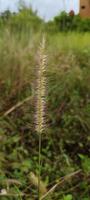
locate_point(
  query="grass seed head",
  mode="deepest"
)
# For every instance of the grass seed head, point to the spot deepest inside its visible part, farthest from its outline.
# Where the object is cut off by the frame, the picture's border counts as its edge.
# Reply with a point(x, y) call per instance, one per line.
point(41, 89)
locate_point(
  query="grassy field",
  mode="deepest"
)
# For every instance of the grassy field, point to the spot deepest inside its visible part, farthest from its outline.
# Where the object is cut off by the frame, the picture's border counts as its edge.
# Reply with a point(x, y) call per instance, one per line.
point(66, 141)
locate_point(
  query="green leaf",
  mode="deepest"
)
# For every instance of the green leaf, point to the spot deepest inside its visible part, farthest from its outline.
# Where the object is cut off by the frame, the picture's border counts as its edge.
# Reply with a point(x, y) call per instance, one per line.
point(85, 161)
point(26, 165)
point(86, 165)
point(68, 197)
point(86, 198)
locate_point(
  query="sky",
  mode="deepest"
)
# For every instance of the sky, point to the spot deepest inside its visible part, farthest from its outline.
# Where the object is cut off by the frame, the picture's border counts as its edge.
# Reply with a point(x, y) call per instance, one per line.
point(46, 8)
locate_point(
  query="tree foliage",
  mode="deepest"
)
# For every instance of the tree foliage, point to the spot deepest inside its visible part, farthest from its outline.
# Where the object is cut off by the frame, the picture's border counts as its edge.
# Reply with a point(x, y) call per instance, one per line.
point(71, 22)
point(24, 19)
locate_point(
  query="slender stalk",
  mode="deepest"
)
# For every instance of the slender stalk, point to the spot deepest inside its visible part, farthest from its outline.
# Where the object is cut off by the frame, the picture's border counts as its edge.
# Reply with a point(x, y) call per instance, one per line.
point(40, 141)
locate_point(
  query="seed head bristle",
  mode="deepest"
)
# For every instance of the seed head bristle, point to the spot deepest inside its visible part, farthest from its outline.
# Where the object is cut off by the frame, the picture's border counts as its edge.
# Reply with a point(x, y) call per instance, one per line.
point(41, 89)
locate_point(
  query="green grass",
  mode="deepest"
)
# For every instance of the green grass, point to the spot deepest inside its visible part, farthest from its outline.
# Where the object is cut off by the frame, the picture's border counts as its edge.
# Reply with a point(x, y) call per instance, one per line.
point(69, 41)
point(66, 144)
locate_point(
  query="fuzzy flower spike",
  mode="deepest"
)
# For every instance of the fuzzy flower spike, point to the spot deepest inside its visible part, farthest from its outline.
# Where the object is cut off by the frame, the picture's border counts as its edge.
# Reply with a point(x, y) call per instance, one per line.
point(41, 89)
point(40, 102)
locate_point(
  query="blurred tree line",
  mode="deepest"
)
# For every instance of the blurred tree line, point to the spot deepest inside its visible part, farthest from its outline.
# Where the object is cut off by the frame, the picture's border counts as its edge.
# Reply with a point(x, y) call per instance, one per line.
point(26, 19)
point(69, 22)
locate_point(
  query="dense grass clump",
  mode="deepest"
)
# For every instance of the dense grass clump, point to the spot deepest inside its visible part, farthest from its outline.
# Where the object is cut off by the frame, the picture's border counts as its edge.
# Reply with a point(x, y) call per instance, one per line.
point(66, 143)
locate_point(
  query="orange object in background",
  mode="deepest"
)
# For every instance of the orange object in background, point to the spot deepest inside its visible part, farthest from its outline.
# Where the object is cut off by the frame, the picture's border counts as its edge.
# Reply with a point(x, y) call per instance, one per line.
point(85, 8)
